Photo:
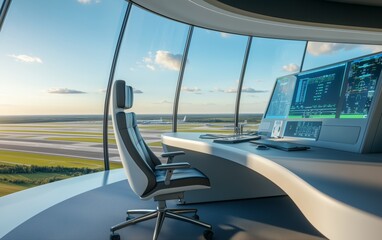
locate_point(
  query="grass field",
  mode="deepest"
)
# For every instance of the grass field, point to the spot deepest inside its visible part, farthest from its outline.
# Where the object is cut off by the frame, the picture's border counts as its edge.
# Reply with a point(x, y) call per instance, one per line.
point(155, 144)
point(20, 158)
point(8, 188)
point(52, 132)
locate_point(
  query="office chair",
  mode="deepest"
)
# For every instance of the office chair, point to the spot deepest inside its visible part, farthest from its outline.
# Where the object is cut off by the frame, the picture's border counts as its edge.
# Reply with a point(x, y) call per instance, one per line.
point(147, 176)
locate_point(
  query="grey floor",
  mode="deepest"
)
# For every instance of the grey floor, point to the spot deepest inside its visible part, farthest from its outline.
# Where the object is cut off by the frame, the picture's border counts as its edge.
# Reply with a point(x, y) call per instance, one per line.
point(90, 215)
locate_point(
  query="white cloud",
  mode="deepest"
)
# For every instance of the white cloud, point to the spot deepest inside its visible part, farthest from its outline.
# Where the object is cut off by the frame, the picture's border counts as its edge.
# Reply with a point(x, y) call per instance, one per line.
point(64, 91)
point(234, 90)
point(165, 102)
point(149, 63)
point(319, 48)
point(192, 90)
point(84, 1)
point(251, 90)
point(217, 90)
point(162, 59)
point(151, 67)
point(137, 91)
point(88, 1)
point(148, 59)
point(291, 67)
point(225, 35)
point(168, 60)
point(231, 90)
point(26, 58)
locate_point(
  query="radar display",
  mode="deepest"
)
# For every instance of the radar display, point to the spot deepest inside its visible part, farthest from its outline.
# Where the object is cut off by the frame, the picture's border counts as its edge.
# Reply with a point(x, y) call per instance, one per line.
point(281, 98)
point(360, 87)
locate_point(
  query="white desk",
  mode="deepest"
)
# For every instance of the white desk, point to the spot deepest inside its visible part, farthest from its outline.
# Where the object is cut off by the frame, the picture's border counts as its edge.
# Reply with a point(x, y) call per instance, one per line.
point(340, 193)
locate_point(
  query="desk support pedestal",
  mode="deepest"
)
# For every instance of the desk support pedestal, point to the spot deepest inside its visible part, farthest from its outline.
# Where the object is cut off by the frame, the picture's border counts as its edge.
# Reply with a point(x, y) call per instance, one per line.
point(229, 180)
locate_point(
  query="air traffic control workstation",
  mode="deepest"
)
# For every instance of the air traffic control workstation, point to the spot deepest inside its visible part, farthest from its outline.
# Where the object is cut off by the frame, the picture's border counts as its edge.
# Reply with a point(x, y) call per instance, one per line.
point(335, 112)
point(337, 106)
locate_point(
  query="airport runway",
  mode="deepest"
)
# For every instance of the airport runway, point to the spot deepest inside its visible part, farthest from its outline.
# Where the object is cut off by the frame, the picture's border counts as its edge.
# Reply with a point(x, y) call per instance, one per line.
point(31, 138)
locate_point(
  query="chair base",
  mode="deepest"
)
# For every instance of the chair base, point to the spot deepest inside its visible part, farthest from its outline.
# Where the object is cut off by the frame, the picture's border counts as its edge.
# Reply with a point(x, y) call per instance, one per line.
point(160, 214)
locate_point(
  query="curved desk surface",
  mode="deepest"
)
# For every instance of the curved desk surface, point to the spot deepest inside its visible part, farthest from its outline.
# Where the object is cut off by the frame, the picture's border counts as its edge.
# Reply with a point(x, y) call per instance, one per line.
point(340, 193)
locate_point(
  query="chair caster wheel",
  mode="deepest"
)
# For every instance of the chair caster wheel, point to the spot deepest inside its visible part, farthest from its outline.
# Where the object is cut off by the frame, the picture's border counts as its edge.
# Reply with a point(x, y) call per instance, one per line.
point(115, 236)
point(208, 234)
point(196, 217)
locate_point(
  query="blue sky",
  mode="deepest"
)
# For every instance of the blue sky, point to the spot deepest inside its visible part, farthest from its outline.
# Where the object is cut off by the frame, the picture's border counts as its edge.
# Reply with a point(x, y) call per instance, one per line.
point(50, 47)
point(55, 58)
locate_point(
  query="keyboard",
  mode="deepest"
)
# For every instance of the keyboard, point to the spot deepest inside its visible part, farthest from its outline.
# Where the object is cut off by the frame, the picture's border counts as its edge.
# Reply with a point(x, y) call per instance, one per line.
point(285, 146)
point(237, 139)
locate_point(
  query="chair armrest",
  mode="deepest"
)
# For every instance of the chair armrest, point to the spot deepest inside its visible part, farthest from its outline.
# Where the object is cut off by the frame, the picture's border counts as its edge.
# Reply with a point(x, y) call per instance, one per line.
point(170, 167)
point(171, 155)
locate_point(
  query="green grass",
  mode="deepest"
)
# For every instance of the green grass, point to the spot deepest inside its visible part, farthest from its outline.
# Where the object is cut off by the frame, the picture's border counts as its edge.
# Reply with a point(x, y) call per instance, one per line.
point(53, 132)
point(8, 188)
point(31, 176)
point(80, 139)
point(13, 158)
point(10, 157)
point(156, 127)
point(155, 144)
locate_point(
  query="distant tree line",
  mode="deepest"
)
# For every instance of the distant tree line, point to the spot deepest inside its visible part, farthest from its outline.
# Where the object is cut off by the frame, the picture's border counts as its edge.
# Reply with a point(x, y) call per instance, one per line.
point(32, 181)
point(23, 169)
point(17, 169)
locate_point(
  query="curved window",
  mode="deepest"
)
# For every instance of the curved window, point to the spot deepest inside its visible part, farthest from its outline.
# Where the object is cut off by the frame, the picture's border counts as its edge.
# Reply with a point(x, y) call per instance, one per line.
point(149, 61)
point(323, 53)
point(268, 60)
point(209, 87)
point(54, 71)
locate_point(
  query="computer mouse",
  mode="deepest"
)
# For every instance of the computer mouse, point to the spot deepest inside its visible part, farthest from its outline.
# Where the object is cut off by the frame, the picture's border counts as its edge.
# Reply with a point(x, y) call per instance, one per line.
point(262, 147)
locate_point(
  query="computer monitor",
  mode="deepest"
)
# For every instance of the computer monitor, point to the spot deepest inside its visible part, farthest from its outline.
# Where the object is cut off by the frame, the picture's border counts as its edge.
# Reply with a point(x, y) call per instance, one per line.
point(281, 99)
point(317, 92)
point(338, 106)
point(360, 86)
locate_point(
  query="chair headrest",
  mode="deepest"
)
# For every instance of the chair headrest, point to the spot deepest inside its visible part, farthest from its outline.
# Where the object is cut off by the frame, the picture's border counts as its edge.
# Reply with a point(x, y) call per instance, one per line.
point(124, 94)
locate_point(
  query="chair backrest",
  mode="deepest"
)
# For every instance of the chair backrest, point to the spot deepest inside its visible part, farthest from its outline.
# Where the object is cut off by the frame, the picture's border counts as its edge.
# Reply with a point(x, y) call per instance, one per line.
point(138, 160)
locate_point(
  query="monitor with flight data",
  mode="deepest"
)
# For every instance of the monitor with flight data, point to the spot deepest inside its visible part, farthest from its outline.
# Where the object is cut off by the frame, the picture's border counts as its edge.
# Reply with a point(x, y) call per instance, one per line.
point(360, 86)
point(338, 106)
point(317, 93)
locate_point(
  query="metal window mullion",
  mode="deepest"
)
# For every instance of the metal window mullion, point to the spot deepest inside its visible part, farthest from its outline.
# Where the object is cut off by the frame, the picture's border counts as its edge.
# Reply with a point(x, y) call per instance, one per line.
point(303, 56)
point(108, 90)
point(241, 79)
point(180, 79)
point(3, 11)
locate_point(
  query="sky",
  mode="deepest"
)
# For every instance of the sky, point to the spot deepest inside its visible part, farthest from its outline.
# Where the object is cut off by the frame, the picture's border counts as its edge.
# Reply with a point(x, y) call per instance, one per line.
point(55, 58)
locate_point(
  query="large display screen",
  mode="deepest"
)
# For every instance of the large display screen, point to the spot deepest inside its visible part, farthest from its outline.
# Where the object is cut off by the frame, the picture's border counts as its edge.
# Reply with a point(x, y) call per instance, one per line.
point(317, 93)
point(362, 79)
point(342, 90)
point(281, 99)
